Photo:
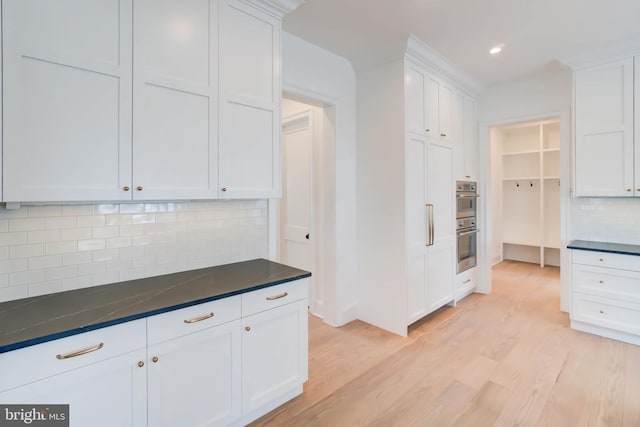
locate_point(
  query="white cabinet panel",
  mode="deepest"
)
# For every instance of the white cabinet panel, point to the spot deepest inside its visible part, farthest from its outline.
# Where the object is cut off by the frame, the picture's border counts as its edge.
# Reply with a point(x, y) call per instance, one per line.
point(470, 139)
point(415, 84)
point(274, 354)
point(432, 94)
point(194, 380)
point(108, 393)
point(67, 100)
point(604, 130)
point(444, 111)
point(249, 101)
point(175, 154)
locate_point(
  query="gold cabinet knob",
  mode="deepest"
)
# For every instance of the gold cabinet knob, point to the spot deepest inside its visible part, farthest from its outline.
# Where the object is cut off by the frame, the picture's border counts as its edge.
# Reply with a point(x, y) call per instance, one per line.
point(125, 188)
point(139, 188)
point(601, 312)
point(427, 130)
point(141, 363)
point(224, 189)
point(247, 328)
point(155, 359)
point(443, 134)
point(601, 282)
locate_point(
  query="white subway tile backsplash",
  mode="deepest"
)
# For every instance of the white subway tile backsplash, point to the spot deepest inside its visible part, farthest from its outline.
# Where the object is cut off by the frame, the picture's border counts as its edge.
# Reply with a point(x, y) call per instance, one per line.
point(77, 258)
point(48, 261)
point(26, 251)
point(43, 288)
point(118, 220)
point(76, 233)
point(26, 224)
point(118, 242)
point(43, 236)
point(60, 247)
point(73, 210)
point(26, 277)
point(612, 219)
point(14, 265)
point(44, 211)
point(55, 223)
point(91, 245)
point(62, 272)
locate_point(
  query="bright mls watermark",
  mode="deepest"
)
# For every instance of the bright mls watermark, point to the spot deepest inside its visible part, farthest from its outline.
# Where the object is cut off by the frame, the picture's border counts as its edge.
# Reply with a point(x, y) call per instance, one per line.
point(34, 415)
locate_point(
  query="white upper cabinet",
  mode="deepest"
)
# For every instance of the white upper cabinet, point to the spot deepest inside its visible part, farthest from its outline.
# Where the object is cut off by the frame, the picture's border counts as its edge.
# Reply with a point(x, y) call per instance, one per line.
point(429, 104)
point(175, 83)
point(604, 130)
point(249, 103)
point(444, 111)
point(470, 139)
point(67, 100)
point(141, 100)
point(415, 100)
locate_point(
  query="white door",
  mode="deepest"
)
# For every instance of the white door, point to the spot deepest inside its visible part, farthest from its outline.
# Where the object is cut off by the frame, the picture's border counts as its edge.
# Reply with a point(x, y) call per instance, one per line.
point(297, 239)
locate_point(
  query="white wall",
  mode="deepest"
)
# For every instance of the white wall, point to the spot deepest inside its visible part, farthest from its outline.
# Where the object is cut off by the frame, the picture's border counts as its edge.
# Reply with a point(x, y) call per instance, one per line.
point(316, 76)
point(46, 249)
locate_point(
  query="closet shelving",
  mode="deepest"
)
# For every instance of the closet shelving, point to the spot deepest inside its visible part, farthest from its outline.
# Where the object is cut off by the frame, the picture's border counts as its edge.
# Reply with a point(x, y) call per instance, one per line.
point(531, 197)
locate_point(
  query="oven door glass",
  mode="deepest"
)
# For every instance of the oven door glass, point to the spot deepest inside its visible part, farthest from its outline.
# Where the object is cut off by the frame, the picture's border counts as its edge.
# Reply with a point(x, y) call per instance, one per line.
point(466, 207)
point(466, 251)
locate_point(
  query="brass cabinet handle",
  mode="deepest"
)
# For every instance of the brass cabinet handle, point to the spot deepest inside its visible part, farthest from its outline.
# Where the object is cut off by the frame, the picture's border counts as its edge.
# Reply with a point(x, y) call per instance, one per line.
point(125, 188)
point(467, 281)
point(427, 130)
point(601, 312)
point(430, 230)
point(141, 363)
point(155, 359)
point(224, 189)
point(601, 259)
point(200, 319)
point(139, 188)
point(247, 328)
point(628, 189)
point(80, 352)
point(601, 281)
point(443, 134)
point(277, 296)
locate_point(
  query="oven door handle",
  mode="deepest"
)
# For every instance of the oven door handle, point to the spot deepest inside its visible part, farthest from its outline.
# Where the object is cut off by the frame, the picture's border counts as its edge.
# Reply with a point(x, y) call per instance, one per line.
point(471, 196)
point(466, 233)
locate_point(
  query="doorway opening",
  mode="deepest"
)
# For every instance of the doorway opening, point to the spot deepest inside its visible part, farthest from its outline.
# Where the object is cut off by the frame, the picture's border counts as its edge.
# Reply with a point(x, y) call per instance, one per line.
point(299, 219)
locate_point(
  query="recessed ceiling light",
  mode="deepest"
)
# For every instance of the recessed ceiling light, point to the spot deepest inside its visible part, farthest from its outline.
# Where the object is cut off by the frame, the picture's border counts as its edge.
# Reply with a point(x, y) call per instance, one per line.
point(496, 49)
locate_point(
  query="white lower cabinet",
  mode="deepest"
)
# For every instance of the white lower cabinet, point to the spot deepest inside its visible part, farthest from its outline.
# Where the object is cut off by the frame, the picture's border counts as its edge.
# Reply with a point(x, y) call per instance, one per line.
point(212, 364)
point(605, 295)
point(465, 283)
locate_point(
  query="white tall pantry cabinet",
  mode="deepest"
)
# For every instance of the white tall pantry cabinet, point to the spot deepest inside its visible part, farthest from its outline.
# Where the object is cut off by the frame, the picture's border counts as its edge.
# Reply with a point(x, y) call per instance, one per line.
point(406, 192)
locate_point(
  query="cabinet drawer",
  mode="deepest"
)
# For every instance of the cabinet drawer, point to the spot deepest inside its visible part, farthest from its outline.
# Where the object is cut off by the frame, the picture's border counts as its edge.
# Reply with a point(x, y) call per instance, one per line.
point(614, 314)
point(273, 296)
point(604, 259)
point(607, 282)
point(40, 361)
point(177, 323)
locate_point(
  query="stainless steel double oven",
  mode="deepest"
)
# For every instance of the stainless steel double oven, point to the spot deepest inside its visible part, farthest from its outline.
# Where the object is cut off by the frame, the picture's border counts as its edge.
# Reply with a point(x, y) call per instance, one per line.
point(466, 230)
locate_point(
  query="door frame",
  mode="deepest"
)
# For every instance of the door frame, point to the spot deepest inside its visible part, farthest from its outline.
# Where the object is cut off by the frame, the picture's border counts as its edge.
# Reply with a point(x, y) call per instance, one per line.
point(306, 115)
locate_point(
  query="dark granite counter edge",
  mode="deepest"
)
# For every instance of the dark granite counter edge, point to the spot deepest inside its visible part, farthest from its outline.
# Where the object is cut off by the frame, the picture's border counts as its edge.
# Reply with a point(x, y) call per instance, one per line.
point(88, 328)
point(613, 248)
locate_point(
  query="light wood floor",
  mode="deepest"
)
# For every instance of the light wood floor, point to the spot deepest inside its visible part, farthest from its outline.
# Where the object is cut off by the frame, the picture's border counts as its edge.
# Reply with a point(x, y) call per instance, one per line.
point(503, 359)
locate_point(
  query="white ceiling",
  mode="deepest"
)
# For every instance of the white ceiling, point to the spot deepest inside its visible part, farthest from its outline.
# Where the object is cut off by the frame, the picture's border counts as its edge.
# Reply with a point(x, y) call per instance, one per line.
point(535, 33)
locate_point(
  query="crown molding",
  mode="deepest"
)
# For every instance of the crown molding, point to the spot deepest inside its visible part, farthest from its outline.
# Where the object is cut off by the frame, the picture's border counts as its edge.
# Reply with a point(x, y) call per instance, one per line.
point(423, 54)
point(276, 8)
point(609, 53)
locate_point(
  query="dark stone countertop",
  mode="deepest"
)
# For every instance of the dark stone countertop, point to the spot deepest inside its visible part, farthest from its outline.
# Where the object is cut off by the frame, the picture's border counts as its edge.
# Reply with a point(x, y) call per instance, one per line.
point(39, 319)
point(614, 248)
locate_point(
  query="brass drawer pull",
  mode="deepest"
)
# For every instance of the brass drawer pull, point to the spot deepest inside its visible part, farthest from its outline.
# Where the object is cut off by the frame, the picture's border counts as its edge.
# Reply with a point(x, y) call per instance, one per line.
point(80, 352)
point(200, 319)
point(467, 281)
point(277, 296)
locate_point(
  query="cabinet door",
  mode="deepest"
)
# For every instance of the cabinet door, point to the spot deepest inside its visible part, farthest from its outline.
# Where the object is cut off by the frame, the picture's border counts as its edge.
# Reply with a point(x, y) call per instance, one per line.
point(604, 130)
point(249, 102)
point(444, 111)
point(67, 100)
point(105, 394)
point(470, 139)
point(415, 99)
point(274, 354)
point(636, 98)
point(441, 254)
point(432, 93)
point(417, 227)
point(175, 154)
point(457, 134)
point(195, 380)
